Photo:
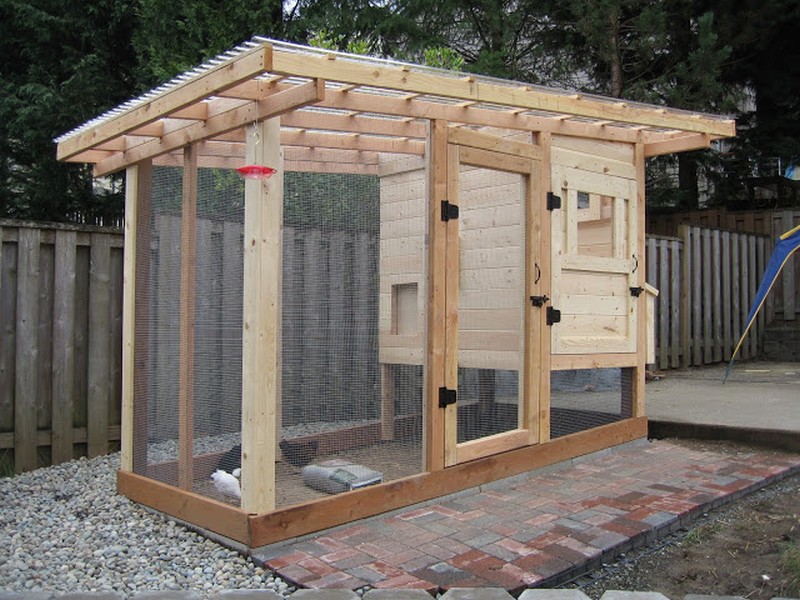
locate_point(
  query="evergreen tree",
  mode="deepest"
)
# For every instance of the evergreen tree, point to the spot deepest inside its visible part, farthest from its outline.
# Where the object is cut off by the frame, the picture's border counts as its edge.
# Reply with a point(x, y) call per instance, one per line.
point(61, 63)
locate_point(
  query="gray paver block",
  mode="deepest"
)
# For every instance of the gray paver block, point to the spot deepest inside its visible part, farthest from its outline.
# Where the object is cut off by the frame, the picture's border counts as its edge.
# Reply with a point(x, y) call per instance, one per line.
point(168, 595)
point(92, 596)
point(476, 594)
point(25, 595)
point(247, 595)
point(397, 595)
point(622, 595)
point(711, 597)
point(545, 594)
point(337, 594)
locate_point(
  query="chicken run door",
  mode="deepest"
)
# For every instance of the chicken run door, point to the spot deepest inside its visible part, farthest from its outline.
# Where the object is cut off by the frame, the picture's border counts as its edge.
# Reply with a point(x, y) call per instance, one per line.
point(492, 181)
point(594, 262)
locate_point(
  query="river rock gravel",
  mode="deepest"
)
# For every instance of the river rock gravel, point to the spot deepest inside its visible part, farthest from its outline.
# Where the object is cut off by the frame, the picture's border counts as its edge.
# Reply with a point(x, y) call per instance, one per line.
point(65, 529)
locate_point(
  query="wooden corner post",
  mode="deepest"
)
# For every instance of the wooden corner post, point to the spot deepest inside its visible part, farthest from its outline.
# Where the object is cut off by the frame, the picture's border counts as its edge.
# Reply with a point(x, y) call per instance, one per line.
point(138, 180)
point(261, 317)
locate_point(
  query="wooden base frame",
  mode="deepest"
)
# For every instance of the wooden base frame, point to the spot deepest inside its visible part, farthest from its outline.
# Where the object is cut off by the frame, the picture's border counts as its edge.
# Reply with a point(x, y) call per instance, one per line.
point(254, 530)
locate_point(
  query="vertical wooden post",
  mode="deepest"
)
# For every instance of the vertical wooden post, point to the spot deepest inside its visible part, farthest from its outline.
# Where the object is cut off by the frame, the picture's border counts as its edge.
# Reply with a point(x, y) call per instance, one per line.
point(99, 363)
point(534, 318)
point(638, 383)
point(437, 250)
point(187, 313)
point(452, 268)
point(387, 402)
point(545, 284)
point(261, 318)
point(686, 296)
point(137, 201)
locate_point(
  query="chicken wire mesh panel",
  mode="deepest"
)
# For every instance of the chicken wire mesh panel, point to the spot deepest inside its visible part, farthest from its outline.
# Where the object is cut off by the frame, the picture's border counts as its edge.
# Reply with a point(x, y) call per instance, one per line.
point(217, 355)
point(157, 343)
point(490, 301)
point(582, 399)
point(347, 418)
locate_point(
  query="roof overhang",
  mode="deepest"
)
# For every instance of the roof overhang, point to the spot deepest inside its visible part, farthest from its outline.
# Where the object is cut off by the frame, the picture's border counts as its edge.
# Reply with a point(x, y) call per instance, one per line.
point(350, 108)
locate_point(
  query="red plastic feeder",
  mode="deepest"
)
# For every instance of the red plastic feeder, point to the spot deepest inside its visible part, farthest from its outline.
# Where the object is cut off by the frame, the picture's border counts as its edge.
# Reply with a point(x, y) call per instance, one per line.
point(256, 171)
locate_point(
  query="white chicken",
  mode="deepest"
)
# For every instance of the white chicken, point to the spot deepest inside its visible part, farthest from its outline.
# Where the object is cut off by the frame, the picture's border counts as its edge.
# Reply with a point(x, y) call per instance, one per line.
point(226, 484)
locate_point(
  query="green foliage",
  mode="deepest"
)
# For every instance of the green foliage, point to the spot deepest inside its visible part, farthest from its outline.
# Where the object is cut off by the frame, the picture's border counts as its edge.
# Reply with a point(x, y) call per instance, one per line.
point(444, 58)
point(790, 561)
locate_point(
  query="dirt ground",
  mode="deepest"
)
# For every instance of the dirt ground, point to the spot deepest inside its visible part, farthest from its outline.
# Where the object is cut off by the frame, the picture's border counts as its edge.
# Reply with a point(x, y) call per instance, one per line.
point(749, 548)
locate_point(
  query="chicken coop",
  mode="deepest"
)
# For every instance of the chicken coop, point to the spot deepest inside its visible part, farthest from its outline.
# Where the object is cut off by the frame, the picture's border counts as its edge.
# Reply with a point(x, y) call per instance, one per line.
point(354, 284)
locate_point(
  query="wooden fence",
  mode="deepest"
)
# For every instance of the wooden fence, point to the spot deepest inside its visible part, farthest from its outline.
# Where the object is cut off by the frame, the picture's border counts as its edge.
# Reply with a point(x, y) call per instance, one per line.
point(707, 280)
point(784, 300)
point(60, 343)
point(61, 312)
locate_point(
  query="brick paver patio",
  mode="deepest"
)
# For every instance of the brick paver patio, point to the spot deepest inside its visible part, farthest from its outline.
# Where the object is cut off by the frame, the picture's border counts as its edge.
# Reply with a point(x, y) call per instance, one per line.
point(531, 531)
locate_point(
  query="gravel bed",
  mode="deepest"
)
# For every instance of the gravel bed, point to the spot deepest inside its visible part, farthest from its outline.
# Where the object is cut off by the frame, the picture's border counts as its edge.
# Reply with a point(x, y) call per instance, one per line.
point(65, 529)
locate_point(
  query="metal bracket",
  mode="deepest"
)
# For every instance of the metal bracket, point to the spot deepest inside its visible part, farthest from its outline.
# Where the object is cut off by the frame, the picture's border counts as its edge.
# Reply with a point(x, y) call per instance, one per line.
point(539, 301)
point(447, 397)
point(553, 201)
point(449, 211)
point(553, 315)
point(636, 291)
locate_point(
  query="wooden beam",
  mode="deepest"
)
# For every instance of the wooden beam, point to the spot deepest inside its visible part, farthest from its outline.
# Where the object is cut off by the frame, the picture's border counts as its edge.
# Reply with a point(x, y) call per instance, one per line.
point(534, 318)
point(352, 142)
point(471, 115)
point(137, 185)
point(204, 512)
point(186, 325)
point(674, 145)
point(544, 260)
point(493, 143)
point(354, 123)
point(470, 89)
point(225, 76)
point(638, 383)
point(271, 106)
point(261, 318)
point(437, 253)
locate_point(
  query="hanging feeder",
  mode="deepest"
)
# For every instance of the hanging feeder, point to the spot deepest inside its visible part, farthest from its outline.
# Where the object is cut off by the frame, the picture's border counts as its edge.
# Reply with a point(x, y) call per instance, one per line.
point(256, 172)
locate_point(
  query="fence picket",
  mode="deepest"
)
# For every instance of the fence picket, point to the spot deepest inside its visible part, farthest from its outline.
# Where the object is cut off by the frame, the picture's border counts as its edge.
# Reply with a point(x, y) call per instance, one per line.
point(63, 345)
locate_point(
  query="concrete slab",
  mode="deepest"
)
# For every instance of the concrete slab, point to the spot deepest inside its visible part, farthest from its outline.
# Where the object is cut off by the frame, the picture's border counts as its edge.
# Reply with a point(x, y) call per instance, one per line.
point(476, 594)
point(620, 595)
point(757, 395)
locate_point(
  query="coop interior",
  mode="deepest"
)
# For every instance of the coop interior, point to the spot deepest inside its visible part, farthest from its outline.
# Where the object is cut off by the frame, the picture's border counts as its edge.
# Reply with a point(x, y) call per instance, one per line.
point(352, 320)
point(343, 272)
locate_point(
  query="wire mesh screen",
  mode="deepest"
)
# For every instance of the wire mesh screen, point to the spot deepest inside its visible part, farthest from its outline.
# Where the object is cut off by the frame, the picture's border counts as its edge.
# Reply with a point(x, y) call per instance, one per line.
point(217, 328)
point(348, 417)
point(157, 346)
point(583, 399)
point(188, 347)
point(490, 301)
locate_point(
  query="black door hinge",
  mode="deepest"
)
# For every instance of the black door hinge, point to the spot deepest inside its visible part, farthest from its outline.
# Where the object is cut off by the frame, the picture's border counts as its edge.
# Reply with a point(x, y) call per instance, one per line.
point(449, 211)
point(539, 301)
point(553, 201)
point(553, 315)
point(447, 397)
point(636, 291)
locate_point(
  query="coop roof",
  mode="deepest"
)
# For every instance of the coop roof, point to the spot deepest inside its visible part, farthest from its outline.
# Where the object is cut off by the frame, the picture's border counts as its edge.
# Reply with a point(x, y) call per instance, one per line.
point(345, 108)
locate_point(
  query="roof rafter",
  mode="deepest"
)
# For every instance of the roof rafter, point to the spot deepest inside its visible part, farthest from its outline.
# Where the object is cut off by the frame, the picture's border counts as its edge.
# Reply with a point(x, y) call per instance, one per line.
point(273, 105)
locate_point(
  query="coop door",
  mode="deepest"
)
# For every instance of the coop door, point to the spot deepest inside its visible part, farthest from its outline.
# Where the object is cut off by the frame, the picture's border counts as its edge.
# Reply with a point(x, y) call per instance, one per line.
point(487, 275)
point(594, 263)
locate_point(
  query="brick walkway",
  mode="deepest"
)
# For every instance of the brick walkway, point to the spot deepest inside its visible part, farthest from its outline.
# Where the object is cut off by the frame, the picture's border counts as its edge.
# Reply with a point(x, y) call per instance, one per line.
point(539, 530)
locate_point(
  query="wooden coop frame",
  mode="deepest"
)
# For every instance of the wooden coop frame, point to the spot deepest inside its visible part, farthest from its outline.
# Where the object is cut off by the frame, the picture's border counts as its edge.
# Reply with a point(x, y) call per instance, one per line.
point(574, 156)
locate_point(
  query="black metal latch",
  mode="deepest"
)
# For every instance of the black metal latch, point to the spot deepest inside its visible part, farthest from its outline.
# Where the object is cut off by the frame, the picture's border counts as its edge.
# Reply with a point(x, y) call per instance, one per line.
point(553, 201)
point(539, 301)
point(553, 315)
point(447, 397)
point(636, 291)
point(449, 211)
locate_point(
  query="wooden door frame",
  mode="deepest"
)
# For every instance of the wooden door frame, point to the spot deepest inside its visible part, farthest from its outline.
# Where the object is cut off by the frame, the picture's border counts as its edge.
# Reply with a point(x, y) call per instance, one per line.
point(469, 147)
